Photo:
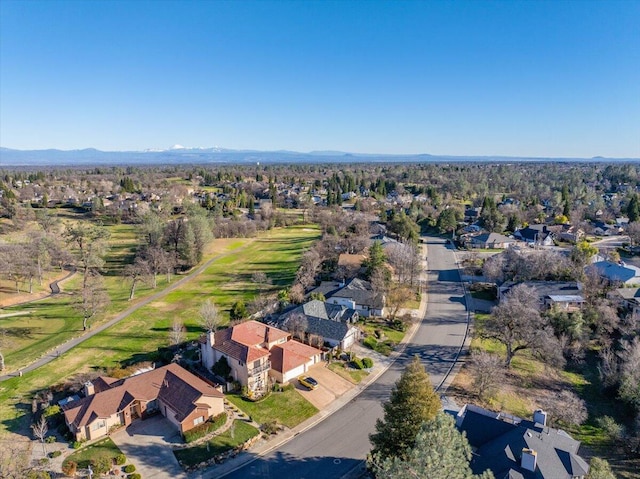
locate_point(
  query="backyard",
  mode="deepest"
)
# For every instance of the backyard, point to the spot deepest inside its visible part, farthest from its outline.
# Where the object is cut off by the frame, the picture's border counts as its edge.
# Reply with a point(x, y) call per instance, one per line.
point(137, 337)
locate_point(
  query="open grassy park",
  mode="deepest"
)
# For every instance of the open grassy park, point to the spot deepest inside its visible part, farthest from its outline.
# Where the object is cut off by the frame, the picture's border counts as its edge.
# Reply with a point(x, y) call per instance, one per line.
point(276, 253)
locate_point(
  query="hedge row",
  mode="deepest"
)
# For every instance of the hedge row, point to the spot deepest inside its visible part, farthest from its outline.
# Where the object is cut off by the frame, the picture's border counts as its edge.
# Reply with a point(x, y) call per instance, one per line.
point(205, 428)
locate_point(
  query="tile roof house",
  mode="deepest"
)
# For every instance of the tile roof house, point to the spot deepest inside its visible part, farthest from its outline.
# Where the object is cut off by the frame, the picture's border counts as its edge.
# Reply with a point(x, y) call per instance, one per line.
point(333, 323)
point(250, 348)
point(183, 398)
point(515, 448)
point(564, 295)
point(617, 272)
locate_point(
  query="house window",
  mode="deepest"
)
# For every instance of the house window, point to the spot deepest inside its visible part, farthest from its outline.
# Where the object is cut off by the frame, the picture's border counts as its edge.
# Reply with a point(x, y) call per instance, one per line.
point(256, 364)
point(198, 420)
point(98, 425)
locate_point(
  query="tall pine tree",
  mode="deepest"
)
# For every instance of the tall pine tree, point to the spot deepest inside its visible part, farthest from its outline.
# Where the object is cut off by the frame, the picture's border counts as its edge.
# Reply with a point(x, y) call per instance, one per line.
point(439, 452)
point(413, 401)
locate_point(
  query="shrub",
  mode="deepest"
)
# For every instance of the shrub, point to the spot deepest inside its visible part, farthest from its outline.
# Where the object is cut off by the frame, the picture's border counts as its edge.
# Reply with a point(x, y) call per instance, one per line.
point(367, 363)
point(357, 363)
point(69, 468)
point(134, 476)
point(77, 444)
point(38, 475)
point(370, 342)
point(43, 461)
point(50, 439)
point(120, 459)
point(55, 454)
point(51, 411)
point(129, 468)
point(221, 368)
point(102, 465)
point(270, 427)
point(205, 428)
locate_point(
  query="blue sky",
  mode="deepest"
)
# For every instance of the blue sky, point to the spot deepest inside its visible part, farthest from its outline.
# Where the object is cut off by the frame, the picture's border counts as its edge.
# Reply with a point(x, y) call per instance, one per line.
point(536, 78)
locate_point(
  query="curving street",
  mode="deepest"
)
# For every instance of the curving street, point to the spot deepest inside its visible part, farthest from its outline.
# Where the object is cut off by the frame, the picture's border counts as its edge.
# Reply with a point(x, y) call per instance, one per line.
point(337, 446)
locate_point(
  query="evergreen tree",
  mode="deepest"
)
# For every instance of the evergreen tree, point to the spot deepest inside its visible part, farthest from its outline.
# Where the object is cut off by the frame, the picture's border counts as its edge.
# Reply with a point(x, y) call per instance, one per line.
point(413, 401)
point(376, 259)
point(440, 452)
point(600, 469)
point(633, 209)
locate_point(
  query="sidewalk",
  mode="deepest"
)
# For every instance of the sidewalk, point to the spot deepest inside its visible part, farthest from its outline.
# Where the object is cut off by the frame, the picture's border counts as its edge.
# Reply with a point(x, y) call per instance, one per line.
point(263, 447)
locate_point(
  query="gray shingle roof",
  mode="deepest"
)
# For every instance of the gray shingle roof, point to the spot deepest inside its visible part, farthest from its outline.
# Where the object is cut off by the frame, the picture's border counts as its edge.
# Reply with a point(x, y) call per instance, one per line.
point(361, 292)
point(498, 445)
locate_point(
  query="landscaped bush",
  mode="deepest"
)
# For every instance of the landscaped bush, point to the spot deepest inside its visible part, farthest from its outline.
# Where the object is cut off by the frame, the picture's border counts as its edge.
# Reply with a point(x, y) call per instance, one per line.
point(357, 363)
point(55, 454)
point(120, 459)
point(221, 368)
point(50, 439)
point(38, 475)
point(69, 468)
point(134, 476)
point(370, 342)
point(101, 465)
point(77, 444)
point(129, 468)
point(367, 363)
point(205, 428)
point(270, 427)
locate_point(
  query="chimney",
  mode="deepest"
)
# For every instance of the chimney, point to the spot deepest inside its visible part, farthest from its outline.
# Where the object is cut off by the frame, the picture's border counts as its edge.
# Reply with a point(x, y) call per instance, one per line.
point(540, 417)
point(528, 461)
point(267, 336)
point(89, 388)
point(211, 338)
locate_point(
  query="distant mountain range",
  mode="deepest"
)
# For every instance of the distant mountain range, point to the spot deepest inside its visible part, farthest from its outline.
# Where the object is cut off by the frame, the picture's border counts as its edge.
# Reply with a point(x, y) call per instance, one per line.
point(179, 154)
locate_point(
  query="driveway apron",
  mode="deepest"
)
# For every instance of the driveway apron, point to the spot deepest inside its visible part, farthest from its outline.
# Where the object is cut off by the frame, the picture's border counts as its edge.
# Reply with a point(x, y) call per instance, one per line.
point(147, 445)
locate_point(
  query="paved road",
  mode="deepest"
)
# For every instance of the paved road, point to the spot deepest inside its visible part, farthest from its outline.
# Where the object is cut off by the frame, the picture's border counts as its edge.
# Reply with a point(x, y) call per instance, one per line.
point(338, 445)
point(63, 348)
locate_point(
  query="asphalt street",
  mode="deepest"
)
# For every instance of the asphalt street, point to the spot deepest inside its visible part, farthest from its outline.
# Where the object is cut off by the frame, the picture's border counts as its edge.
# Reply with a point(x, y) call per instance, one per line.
point(338, 445)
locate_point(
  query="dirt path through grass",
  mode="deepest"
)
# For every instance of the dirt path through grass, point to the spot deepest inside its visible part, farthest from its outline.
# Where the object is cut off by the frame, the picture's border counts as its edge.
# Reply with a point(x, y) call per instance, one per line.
point(63, 348)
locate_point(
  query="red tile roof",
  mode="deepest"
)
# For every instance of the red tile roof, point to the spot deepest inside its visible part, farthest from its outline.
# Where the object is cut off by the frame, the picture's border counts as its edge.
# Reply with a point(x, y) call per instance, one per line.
point(172, 384)
point(290, 355)
point(247, 341)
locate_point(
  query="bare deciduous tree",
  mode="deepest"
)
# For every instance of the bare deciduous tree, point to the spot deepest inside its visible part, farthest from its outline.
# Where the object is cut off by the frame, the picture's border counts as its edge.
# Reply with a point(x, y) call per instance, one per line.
point(177, 333)
point(488, 372)
point(92, 298)
point(565, 407)
point(209, 316)
point(40, 430)
point(517, 323)
point(135, 273)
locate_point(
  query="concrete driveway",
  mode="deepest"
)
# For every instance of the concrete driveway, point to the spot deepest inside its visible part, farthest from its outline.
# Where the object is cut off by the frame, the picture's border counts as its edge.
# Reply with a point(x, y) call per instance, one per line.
point(147, 444)
point(330, 386)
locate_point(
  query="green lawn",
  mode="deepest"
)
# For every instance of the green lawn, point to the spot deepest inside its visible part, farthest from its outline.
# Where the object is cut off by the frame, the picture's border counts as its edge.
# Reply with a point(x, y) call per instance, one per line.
point(104, 448)
point(288, 408)
point(137, 337)
point(354, 376)
point(389, 333)
point(237, 435)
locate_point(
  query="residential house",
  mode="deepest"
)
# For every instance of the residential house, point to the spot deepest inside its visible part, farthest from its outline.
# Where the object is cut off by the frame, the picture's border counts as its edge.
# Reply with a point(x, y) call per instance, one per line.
point(571, 234)
point(184, 399)
point(472, 214)
point(535, 235)
point(250, 348)
point(491, 241)
point(617, 272)
point(359, 295)
point(561, 295)
point(292, 359)
point(600, 228)
point(627, 299)
point(334, 324)
point(515, 448)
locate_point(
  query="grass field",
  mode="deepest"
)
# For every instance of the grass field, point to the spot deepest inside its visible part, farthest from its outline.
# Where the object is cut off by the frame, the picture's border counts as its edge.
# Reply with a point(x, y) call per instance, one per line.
point(288, 408)
point(528, 381)
point(136, 338)
point(229, 439)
